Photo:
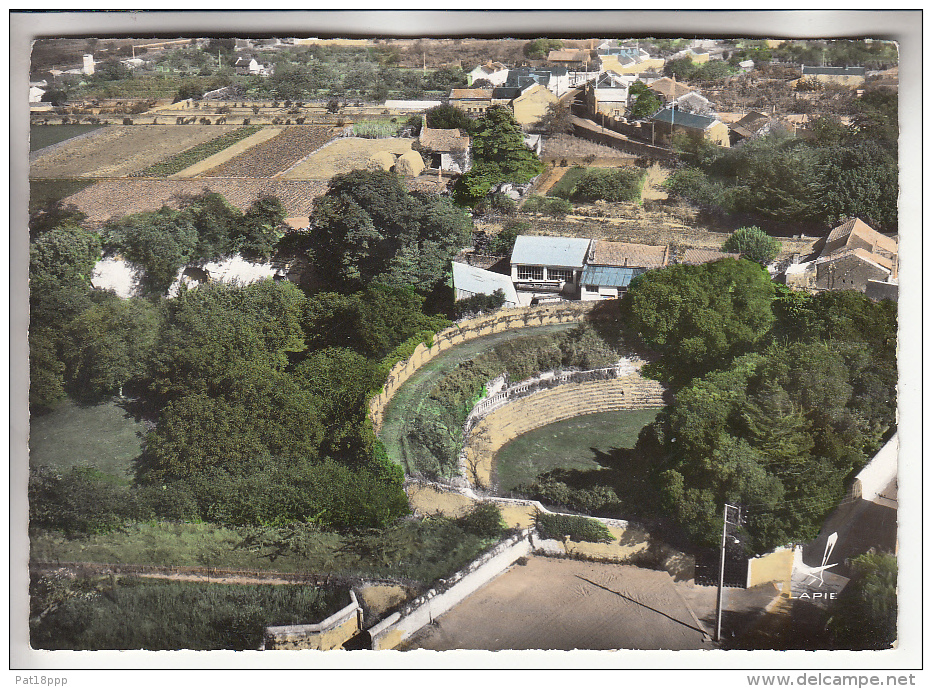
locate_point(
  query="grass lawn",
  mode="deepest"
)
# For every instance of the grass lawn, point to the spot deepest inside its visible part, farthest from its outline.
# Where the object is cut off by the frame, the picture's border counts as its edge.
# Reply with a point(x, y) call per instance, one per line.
point(564, 186)
point(46, 135)
point(584, 444)
point(105, 436)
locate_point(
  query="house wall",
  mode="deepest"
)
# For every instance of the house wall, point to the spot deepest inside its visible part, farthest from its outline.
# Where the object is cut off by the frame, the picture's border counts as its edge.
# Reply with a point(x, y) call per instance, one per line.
point(849, 272)
point(531, 106)
point(849, 80)
point(877, 473)
point(772, 567)
point(718, 133)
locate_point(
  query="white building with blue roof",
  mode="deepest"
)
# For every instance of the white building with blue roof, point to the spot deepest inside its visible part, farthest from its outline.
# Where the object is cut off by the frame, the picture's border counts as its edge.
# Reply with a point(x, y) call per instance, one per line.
point(548, 265)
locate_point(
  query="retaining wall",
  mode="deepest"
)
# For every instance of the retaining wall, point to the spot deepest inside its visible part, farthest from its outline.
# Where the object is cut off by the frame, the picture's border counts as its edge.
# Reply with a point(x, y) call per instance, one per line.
point(423, 610)
point(772, 567)
point(877, 473)
point(501, 320)
point(543, 408)
point(326, 635)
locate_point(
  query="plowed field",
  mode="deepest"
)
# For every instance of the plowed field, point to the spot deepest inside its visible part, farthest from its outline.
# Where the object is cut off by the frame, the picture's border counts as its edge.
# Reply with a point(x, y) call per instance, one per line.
point(276, 155)
point(117, 150)
point(116, 197)
point(345, 155)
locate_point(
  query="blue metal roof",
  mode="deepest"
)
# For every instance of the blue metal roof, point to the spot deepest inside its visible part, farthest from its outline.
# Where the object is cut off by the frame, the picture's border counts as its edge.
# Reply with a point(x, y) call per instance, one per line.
point(609, 276)
point(478, 281)
point(561, 252)
point(683, 118)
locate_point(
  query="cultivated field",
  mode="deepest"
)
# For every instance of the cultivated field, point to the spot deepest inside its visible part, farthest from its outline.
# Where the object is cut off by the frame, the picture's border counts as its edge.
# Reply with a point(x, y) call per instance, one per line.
point(117, 197)
point(117, 150)
point(344, 155)
point(274, 156)
point(565, 605)
point(42, 137)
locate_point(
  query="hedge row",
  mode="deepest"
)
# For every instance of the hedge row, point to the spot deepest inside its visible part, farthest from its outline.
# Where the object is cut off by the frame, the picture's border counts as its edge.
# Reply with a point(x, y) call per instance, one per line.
point(557, 526)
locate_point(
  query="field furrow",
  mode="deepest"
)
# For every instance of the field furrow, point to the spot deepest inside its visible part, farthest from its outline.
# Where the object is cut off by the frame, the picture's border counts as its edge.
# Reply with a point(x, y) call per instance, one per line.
point(275, 155)
point(344, 155)
point(117, 150)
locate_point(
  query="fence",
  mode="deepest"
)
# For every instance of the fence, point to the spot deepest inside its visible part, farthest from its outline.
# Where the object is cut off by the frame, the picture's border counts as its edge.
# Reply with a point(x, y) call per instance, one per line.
point(500, 321)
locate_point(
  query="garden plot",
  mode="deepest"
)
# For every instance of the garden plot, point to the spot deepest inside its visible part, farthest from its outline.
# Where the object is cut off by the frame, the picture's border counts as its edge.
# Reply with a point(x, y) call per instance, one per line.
point(277, 154)
point(345, 155)
point(117, 150)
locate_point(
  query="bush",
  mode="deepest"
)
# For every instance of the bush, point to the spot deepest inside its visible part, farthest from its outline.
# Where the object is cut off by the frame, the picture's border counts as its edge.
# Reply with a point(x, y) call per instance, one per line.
point(478, 303)
point(613, 185)
point(483, 520)
point(557, 526)
point(752, 243)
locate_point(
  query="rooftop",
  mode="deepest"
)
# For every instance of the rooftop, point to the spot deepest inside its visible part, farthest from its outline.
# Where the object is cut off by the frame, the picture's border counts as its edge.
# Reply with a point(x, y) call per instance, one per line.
point(609, 276)
point(567, 252)
point(669, 89)
point(623, 254)
point(478, 281)
point(684, 119)
point(834, 71)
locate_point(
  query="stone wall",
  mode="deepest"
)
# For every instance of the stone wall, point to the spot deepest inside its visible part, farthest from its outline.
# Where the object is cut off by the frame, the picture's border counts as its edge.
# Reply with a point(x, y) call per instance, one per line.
point(500, 321)
point(326, 635)
point(424, 609)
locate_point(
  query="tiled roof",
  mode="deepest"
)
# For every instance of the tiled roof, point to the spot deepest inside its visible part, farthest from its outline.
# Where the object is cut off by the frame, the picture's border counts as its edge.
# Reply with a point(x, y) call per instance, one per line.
point(564, 252)
point(443, 139)
point(478, 94)
point(695, 257)
point(684, 119)
point(669, 89)
point(605, 253)
point(856, 233)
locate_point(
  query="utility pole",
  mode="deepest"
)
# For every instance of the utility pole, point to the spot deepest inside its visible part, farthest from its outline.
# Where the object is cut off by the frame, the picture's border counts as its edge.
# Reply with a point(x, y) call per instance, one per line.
point(736, 515)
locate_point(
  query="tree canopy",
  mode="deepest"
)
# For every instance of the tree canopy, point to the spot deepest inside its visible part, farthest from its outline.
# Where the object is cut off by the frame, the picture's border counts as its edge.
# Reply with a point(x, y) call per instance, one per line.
point(368, 228)
point(752, 243)
point(864, 616)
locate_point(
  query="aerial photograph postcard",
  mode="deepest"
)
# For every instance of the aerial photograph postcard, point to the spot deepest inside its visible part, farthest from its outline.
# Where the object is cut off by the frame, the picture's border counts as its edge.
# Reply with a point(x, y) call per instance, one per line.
point(537, 338)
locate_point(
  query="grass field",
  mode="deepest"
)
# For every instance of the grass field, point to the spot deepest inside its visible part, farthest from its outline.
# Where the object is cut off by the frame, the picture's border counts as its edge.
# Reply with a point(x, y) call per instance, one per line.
point(41, 137)
point(564, 186)
point(104, 436)
point(581, 444)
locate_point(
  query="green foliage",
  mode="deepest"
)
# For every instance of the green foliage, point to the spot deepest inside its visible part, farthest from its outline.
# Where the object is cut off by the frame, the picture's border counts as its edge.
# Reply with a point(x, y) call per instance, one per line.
point(503, 243)
point(499, 155)
point(644, 102)
point(368, 228)
point(554, 492)
point(260, 228)
point(477, 304)
point(752, 243)
point(700, 317)
point(483, 520)
point(610, 184)
point(557, 120)
point(540, 48)
point(449, 117)
point(131, 613)
point(558, 526)
point(864, 617)
point(197, 153)
point(159, 243)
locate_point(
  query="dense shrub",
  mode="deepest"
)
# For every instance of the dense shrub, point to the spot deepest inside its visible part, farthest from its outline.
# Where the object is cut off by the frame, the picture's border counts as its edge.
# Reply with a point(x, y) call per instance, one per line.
point(613, 185)
point(483, 520)
point(577, 528)
point(477, 304)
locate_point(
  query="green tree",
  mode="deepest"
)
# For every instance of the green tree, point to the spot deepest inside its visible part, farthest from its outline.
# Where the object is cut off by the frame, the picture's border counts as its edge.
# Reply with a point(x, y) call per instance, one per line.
point(159, 243)
point(682, 68)
point(261, 228)
point(864, 617)
point(108, 346)
point(369, 228)
point(699, 317)
point(752, 243)
point(499, 154)
point(448, 117)
point(613, 185)
point(644, 102)
point(557, 120)
point(540, 48)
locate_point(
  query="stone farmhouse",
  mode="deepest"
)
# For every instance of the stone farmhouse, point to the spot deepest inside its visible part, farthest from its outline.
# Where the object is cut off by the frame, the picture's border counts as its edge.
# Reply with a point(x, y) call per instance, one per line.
point(670, 121)
point(853, 256)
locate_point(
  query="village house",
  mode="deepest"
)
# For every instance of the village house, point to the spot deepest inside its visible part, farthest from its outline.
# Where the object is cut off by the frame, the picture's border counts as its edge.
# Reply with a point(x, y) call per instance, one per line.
point(247, 65)
point(627, 59)
point(446, 149)
point(696, 57)
point(852, 256)
point(670, 121)
point(750, 126)
point(579, 65)
point(493, 72)
point(554, 77)
point(608, 94)
point(548, 266)
point(696, 103)
point(474, 102)
point(669, 90)
point(528, 99)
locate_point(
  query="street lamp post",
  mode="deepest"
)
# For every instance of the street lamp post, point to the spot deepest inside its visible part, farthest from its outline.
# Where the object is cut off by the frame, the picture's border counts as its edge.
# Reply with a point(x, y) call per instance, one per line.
point(736, 514)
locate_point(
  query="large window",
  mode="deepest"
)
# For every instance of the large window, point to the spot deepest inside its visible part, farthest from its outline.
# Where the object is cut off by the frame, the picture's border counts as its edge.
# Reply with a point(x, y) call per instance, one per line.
point(530, 273)
point(560, 274)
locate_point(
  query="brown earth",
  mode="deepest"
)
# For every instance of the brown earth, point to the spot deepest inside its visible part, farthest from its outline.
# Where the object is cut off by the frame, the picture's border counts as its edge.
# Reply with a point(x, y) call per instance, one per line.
point(344, 155)
point(117, 150)
point(274, 156)
point(228, 153)
point(557, 604)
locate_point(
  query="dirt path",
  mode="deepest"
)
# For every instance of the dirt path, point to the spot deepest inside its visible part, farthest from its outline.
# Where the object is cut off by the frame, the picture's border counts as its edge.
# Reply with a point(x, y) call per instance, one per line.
point(565, 605)
point(228, 153)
